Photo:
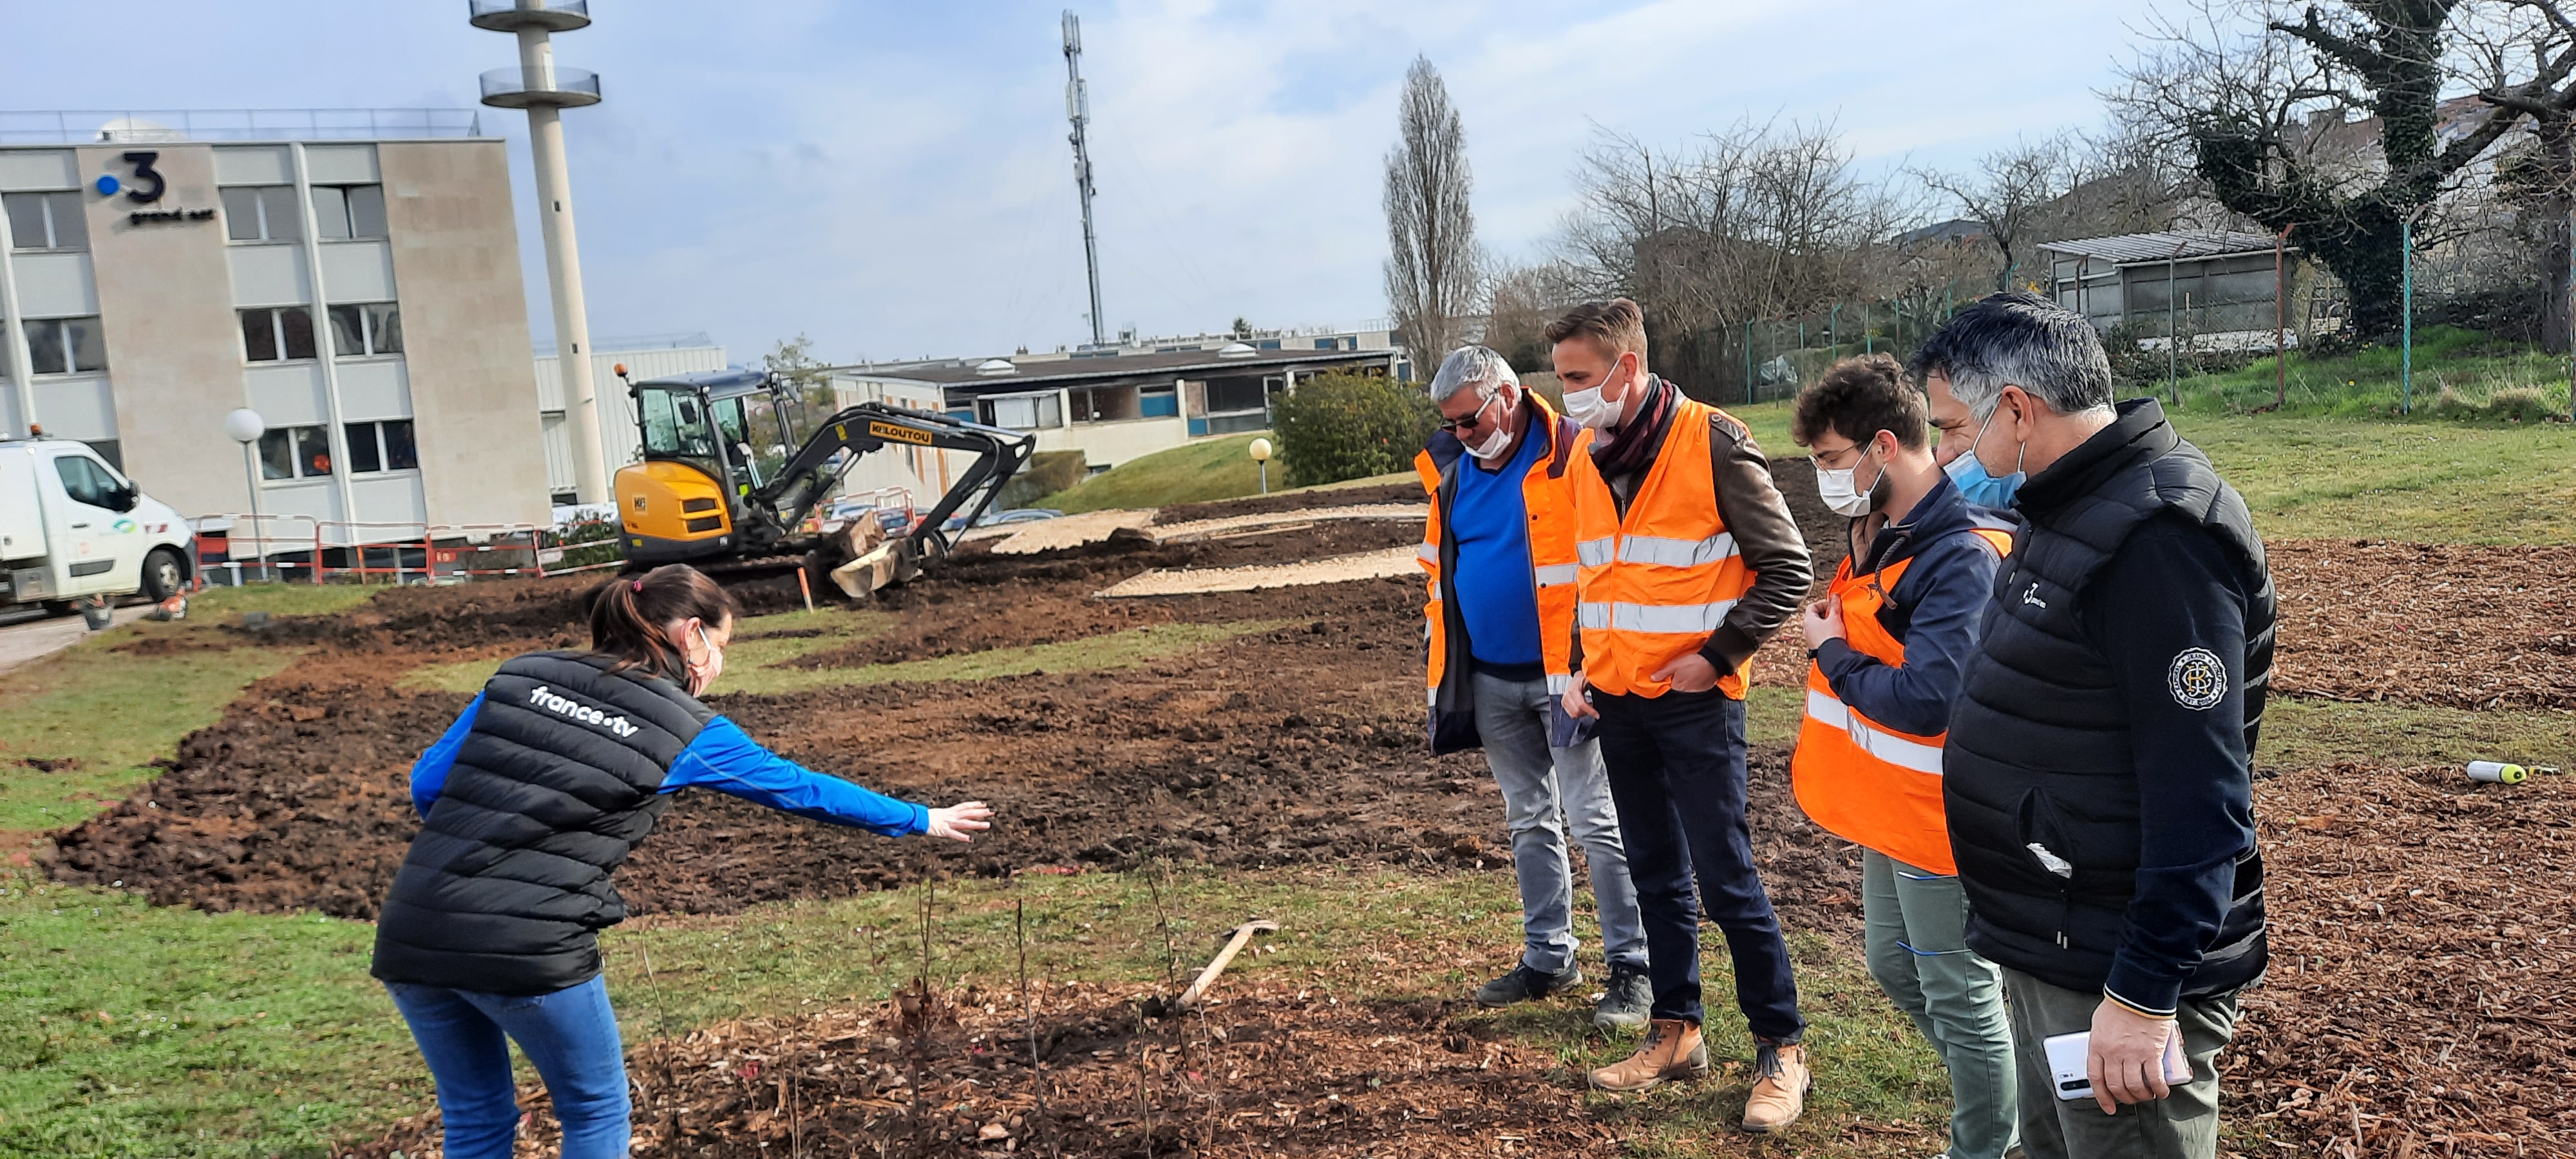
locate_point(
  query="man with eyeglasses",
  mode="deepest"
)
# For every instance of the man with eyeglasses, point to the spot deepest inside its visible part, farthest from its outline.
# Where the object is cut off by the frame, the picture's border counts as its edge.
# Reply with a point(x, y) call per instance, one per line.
point(1500, 621)
point(1886, 647)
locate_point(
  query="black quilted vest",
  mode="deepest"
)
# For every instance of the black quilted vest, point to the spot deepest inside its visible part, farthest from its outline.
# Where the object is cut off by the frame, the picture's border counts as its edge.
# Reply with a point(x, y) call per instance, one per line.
point(508, 879)
point(2039, 745)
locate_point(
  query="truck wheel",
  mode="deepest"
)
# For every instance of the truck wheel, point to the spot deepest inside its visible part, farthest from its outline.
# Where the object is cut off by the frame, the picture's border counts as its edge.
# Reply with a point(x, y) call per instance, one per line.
point(59, 607)
point(163, 575)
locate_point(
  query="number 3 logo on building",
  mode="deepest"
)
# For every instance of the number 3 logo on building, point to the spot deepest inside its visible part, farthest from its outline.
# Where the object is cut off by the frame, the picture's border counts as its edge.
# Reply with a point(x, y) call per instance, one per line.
point(143, 172)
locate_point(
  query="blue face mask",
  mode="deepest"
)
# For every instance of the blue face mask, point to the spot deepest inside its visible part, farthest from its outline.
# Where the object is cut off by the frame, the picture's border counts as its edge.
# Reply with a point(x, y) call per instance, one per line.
point(1975, 484)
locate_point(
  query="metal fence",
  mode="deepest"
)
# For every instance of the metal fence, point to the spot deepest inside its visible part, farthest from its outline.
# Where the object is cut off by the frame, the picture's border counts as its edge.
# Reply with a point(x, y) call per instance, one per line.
point(235, 548)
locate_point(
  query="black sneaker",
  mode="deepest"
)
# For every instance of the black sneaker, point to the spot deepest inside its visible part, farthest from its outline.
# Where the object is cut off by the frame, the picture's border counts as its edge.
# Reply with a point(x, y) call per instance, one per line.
point(1624, 1000)
point(1524, 983)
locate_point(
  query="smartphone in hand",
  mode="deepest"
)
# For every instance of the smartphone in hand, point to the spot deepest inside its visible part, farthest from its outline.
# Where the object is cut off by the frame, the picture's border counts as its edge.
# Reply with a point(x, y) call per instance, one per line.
point(2066, 1057)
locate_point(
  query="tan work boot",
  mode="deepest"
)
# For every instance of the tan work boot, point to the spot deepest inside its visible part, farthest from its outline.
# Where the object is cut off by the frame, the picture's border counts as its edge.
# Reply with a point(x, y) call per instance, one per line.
point(1780, 1082)
point(1672, 1050)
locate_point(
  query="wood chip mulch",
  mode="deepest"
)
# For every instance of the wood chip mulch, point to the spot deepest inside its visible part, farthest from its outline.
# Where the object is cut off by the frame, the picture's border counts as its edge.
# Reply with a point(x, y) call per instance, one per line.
point(2464, 626)
point(1270, 1069)
point(2422, 993)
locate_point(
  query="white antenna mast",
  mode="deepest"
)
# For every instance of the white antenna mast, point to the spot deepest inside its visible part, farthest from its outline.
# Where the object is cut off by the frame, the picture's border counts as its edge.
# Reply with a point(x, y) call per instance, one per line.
point(1077, 108)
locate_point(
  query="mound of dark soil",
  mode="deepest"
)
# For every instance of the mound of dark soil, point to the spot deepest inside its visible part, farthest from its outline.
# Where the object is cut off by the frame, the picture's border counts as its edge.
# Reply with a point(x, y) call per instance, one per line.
point(1270, 1067)
point(527, 613)
point(1299, 745)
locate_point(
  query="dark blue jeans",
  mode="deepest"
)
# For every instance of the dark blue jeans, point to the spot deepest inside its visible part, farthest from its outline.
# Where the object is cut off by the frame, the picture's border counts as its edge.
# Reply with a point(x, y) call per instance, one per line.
point(1676, 765)
point(571, 1037)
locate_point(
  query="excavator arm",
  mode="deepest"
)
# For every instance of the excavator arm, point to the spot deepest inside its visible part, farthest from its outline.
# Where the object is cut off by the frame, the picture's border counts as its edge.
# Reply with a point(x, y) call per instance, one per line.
point(872, 426)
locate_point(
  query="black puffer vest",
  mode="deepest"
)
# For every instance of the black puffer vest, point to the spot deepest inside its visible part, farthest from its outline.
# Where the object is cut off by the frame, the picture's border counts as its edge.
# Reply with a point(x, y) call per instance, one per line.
point(2039, 744)
point(508, 879)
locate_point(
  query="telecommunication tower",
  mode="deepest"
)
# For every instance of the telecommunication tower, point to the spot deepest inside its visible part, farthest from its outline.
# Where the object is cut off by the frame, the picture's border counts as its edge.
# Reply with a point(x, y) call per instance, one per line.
point(1077, 108)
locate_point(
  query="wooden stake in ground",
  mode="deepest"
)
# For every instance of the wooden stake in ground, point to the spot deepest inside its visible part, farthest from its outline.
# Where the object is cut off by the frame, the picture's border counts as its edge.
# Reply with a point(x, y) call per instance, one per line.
point(1029, 1011)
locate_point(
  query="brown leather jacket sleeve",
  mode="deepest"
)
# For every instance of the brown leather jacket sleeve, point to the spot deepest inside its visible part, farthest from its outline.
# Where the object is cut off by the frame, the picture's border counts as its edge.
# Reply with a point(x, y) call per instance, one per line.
point(1767, 536)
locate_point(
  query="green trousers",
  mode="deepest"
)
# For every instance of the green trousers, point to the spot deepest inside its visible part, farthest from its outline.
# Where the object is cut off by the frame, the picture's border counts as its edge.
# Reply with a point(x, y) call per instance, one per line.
point(1917, 931)
point(2183, 1125)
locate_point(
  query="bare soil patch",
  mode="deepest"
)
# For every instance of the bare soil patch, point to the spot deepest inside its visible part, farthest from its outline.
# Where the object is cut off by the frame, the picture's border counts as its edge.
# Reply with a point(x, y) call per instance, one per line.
point(1405, 492)
point(2464, 626)
point(1270, 1068)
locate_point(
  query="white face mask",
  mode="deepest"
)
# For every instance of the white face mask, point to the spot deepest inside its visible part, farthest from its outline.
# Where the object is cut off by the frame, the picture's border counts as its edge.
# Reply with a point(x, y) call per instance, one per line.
point(703, 673)
point(1499, 441)
point(1841, 491)
point(1587, 409)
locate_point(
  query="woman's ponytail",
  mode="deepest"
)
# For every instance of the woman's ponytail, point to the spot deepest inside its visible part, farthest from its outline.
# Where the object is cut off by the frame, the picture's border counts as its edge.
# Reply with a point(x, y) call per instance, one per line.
point(628, 615)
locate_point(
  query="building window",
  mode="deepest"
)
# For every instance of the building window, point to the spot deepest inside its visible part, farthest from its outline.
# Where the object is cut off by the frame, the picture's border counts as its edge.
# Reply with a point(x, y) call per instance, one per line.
point(348, 211)
point(290, 452)
point(66, 345)
point(1159, 402)
point(1026, 412)
point(361, 330)
point(46, 221)
point(275, 333)
point(381, 446)
point(262, 213)
point(110, 450)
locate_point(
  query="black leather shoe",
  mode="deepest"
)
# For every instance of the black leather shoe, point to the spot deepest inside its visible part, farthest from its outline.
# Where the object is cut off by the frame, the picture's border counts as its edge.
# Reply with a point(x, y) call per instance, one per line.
point(1624, 1001)
point(1524, 984)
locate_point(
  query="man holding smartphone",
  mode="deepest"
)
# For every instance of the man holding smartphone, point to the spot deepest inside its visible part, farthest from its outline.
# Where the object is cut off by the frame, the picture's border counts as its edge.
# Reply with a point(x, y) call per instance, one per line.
point(2097, 776)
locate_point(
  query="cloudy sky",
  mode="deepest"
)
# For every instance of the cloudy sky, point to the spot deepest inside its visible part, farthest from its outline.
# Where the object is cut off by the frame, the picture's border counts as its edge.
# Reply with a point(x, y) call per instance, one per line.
point(894, 180)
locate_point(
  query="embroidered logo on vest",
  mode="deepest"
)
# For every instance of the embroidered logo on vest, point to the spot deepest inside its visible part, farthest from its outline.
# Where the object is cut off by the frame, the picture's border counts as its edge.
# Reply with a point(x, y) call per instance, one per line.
point(2032, 597)
point(546, 699)
point(2197, 679)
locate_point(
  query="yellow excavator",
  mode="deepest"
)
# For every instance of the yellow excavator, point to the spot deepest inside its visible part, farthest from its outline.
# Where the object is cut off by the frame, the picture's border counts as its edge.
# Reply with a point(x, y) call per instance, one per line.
point(728, 475)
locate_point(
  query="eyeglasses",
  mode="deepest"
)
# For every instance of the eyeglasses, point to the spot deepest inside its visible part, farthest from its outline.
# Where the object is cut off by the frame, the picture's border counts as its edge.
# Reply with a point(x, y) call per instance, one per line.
point(1474, 419)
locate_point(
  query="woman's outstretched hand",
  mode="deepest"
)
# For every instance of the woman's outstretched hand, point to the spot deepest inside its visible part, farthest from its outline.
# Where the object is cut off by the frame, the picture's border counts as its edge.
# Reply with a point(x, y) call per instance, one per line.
point(961, 822)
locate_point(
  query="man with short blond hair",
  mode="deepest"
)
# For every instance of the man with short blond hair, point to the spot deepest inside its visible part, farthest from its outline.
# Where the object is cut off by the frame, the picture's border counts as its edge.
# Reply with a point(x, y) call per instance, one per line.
point(1688, 559)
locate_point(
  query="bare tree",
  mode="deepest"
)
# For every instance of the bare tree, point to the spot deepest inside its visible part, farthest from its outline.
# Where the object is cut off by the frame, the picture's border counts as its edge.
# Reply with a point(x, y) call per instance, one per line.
point(1431, 265)
point(2009, 193)
point(2255, 92)
point(1746, 223)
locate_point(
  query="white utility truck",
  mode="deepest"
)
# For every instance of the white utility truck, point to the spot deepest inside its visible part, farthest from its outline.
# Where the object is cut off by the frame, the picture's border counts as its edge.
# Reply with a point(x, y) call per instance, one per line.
point(72, 527)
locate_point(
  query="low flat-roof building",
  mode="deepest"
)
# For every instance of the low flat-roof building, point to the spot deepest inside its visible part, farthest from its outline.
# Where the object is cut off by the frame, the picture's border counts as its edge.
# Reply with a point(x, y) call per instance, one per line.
point(2215, 289)
point(1118, 403)
point(353, 277)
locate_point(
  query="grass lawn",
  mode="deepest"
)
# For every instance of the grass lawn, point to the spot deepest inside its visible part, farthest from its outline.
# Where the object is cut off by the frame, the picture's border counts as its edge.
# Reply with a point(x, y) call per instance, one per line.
point(1218, 468)
point(2459, 374)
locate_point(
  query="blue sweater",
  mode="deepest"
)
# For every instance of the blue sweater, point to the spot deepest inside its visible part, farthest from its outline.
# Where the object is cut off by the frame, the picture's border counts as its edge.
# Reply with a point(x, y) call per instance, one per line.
point(1497, 595)
point(727, 760)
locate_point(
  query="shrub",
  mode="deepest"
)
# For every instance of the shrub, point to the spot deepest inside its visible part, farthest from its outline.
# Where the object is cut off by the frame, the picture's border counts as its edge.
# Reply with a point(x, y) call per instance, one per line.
point(1347, 426)
point(1047, 473)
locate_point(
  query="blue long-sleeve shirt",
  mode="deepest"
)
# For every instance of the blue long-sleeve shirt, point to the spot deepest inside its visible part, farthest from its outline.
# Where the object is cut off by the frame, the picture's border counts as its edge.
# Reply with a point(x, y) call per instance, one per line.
point(727, 760)
point(1933, 610)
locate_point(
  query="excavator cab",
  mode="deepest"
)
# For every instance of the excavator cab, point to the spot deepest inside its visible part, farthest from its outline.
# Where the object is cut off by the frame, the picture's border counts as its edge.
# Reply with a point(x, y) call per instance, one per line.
point(728, 476)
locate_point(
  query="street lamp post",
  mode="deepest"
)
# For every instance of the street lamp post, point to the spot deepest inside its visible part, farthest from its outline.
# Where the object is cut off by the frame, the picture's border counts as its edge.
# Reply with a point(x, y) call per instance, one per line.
point(246, 427)
point(1261, 455)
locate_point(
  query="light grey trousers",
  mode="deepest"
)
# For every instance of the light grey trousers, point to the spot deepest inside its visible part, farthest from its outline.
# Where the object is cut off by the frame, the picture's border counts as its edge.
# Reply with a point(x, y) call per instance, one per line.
point(1917, 924)
point(1545, 793)
point(2183, 1125)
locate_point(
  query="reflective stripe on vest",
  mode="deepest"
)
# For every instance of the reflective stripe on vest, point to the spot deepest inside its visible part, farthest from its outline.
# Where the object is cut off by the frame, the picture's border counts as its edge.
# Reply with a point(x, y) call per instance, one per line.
point(1657, 580)
point(1861, 780)
point(1553, 571)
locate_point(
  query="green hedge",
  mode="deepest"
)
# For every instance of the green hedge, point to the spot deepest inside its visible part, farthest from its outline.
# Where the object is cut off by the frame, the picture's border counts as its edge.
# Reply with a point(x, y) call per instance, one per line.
point(1348, 426)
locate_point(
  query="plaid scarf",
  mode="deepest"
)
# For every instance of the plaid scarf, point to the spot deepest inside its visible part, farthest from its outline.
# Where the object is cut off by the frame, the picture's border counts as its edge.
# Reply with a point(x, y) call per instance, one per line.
point(1632, 445)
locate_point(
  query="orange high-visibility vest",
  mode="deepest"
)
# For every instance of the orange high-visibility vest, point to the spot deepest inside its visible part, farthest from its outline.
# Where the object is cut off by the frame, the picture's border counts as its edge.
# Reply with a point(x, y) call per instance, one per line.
point(1655, 584)
point(1551, 539)
point(1861, 780)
